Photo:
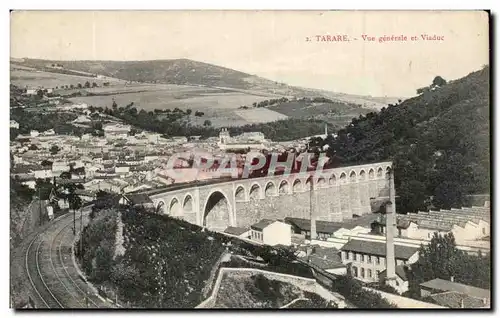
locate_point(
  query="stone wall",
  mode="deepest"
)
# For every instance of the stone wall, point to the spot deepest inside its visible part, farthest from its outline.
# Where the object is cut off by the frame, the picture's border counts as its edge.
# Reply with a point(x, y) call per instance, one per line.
point(328, 204)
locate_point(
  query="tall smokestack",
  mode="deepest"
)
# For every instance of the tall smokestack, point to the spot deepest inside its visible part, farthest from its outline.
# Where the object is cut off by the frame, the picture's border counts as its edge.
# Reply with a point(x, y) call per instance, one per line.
point(390, 225)
point(312, 216)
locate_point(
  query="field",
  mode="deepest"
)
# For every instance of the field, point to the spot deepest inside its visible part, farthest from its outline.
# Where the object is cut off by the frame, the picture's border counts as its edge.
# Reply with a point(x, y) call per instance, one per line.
point(219, 106)
point(339, 114)
point(258, 115)
point(23, 76)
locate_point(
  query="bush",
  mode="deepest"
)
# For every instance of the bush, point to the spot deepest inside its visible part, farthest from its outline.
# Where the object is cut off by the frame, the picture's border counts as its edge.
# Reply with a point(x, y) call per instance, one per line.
point(353, 291)
point(98, 247)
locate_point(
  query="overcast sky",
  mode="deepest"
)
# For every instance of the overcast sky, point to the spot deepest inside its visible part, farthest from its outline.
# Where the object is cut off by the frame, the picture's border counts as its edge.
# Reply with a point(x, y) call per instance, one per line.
point(270, 44)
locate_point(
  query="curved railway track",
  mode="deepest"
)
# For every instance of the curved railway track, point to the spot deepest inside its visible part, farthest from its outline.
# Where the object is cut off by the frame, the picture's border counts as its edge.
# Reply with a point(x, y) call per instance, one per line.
point(51, 272)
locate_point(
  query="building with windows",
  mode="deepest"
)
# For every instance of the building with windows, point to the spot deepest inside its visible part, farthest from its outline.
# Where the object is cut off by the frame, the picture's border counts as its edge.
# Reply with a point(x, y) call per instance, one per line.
point(367, 259)
point(137, 200)
point(324, 229)
point(116, 131)
point(466, 224)
point(248, 140)
point(271, 232)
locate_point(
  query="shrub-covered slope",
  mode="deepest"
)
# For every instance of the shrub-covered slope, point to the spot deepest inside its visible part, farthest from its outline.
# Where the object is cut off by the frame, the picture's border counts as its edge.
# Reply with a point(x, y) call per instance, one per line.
point(439, 142)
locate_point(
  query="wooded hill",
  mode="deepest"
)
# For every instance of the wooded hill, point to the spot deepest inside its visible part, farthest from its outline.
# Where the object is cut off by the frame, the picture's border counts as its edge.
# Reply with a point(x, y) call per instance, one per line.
point(438, 140)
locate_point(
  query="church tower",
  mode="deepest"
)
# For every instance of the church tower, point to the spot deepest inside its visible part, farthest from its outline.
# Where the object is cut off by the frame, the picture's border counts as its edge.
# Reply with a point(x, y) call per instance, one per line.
point(224, 136)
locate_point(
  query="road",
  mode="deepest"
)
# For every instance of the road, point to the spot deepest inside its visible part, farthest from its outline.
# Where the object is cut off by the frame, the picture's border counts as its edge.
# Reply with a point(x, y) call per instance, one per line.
point(52, 276)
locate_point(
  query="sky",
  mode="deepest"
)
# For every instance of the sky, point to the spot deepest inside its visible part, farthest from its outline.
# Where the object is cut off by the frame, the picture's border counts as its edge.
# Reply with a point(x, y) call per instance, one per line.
point(271, 44)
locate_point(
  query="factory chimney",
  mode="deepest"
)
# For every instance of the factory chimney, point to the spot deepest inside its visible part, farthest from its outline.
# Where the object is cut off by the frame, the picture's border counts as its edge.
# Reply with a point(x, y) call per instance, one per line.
point(390, 211)
point(313, 205)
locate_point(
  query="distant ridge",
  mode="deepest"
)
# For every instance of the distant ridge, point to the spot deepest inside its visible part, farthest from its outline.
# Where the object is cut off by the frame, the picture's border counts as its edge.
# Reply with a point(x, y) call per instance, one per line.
point(189, 72)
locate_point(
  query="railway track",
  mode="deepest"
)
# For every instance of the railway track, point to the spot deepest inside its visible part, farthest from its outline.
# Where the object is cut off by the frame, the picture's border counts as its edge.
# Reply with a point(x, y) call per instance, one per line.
point(51, 272)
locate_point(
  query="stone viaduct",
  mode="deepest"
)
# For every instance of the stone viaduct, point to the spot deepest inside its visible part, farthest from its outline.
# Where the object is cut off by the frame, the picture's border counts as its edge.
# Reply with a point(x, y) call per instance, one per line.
point(332, 195)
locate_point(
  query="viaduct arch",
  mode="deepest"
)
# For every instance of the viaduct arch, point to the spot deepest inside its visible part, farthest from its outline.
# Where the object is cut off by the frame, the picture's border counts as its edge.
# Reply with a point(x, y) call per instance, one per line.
point(337, 194)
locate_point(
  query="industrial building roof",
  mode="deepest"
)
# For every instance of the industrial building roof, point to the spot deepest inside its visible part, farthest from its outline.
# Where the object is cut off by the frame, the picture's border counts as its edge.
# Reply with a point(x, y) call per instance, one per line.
point(233, 230)
point(379, 249)
point(262, 224)
point(446, 285)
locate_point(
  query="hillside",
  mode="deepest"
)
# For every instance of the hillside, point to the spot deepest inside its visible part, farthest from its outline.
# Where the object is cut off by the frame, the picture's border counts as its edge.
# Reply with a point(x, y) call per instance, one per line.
point(439, 142)
point(176, 71)
point(147, 260)
point(189, 72)
point(174, 260)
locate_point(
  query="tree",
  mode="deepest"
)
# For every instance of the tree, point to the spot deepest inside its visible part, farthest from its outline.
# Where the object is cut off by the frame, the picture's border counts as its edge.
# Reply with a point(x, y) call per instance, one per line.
point(79, 85)
point(65, 175)
point(87, 84)
point(39, 93)
point(438, 81)
point(46, 163)
point(71, 86)
point(94, 84)
point(54, 149)
point(115, 105)
point(207, 123)
point(439, 259)
point(33, 147)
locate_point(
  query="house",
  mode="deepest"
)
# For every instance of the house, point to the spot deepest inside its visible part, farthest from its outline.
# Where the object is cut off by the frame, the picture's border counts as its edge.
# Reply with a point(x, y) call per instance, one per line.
point(251, 140)
point(49, 132)
point(237, 231)
point(63, 204)
point(59, 167)
point(455, 295)
point(121, 168)
point(82, 120)
point(367, 258)
point(136, 200)
point(252, 135)
point(42, 172)
point(50, 212)
point(402, 283)
point(30, 182)
point(31, 91)
point(271, 232)
point(104, 184)
point(85, 195)
point(136, 187)
point(116, 131)
point(466, 224)
point(14, 124)
point(324, 229)
point(327, 259)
